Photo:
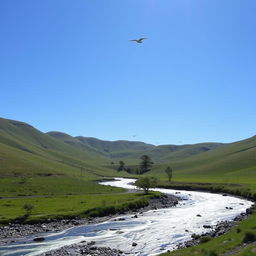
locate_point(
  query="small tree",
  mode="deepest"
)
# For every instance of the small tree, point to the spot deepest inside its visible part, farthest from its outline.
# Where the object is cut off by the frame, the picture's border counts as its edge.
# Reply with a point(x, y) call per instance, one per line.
point(146, 183)
point(146, 164)
point(168, 171)
point(28, 208)
point(121, 166)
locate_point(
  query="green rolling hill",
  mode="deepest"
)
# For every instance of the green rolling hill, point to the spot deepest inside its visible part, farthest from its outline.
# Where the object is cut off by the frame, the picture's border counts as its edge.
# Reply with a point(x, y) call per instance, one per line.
point(32, 162)
point(109, 149)
point(234, 162)
point(27, 153)
point(30, 143)
point(131, 151)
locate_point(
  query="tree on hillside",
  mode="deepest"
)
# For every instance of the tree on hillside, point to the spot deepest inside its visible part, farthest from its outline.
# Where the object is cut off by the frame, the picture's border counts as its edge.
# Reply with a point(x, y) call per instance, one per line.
point(145, 164)
point(168, 171)
point(146, 183)
point(121, 166)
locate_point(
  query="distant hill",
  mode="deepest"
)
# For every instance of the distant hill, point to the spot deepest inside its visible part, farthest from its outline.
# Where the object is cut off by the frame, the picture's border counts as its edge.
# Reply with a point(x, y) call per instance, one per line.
point(107, 148)
point(132, 150)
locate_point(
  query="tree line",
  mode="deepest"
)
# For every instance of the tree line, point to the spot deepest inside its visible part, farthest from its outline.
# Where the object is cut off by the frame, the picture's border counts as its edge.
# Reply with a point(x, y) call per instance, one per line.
point(144, 166)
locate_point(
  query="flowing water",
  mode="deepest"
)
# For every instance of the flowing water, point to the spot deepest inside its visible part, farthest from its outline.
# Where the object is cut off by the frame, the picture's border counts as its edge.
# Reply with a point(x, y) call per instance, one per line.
point(154, 232)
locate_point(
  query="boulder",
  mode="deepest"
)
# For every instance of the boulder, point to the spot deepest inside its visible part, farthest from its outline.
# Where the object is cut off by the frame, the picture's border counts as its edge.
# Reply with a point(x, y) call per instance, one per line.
point(39, 239)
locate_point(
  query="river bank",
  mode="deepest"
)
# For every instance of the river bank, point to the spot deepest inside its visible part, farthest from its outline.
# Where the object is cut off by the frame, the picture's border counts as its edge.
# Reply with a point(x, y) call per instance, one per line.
point(13, 232)
point(215, 231)
point(84, 248)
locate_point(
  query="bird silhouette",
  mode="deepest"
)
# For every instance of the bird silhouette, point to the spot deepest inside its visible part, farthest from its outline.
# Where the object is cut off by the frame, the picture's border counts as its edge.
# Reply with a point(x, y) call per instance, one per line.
point(139, 41)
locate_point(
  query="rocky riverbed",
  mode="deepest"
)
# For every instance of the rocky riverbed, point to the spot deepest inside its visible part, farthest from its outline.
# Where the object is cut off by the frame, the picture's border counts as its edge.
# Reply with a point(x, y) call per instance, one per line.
point(215, 231)
point(84, 248)
point(90, 248)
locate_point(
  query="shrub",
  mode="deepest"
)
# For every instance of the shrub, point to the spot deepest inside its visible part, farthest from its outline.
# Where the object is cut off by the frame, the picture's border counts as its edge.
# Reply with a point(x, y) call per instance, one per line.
point(212, 253)
point(146, 183)
point(249, 237)
point(107, 210)
point(28, 208)
point(238, 230)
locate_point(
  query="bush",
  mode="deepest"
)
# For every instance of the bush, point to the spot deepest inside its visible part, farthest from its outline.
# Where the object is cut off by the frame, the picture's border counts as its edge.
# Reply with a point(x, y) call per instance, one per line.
point(212, 253)
point(249, 237)
point(146, 183)
point(28, 208)
point(108, 210)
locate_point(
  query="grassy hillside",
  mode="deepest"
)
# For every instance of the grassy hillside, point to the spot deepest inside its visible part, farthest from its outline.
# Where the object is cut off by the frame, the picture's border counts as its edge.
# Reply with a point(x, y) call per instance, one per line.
point(234, 162)
point(166, 153)
point(25, 151)
point(114, 150)
point(32, 162)
point(130, 151)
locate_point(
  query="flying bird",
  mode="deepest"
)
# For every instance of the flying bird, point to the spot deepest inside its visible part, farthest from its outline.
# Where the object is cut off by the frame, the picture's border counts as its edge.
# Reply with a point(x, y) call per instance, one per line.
point(139, 41)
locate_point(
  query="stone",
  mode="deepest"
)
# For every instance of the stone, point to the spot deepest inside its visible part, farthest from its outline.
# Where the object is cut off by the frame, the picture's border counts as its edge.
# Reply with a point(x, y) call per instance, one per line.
point(91, 243)
point(39, 239)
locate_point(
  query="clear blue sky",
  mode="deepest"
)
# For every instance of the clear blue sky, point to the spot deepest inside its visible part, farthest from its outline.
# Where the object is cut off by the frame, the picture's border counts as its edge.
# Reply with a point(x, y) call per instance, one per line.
point(69, 66)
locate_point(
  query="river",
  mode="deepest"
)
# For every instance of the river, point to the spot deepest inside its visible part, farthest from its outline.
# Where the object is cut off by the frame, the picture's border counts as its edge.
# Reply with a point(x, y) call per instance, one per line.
point(154, 232)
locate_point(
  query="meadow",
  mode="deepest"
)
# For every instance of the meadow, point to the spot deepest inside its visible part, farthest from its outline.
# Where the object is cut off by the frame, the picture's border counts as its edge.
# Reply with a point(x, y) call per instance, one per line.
point(70, 206)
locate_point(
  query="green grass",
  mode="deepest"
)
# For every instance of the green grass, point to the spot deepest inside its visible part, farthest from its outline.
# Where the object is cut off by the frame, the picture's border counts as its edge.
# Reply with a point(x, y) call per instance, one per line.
point(248, 251)
point(70, 206)
point(47, 185)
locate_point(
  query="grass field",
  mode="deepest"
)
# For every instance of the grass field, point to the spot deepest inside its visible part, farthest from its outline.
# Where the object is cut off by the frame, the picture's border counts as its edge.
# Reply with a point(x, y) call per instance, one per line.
point(11, 187)
point(68, 206)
